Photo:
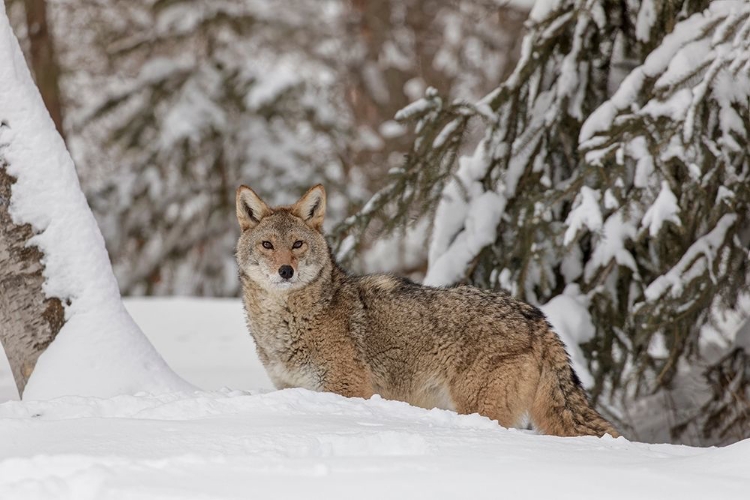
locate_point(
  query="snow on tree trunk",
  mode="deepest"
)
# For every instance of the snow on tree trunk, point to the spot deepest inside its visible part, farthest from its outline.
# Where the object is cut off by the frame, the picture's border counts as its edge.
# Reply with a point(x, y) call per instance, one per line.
point(58, 288)
point(30, 320)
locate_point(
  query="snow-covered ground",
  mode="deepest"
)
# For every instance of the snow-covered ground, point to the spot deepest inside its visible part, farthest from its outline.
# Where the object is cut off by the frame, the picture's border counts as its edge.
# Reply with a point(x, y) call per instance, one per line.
point(249, 441)
point(204, 340)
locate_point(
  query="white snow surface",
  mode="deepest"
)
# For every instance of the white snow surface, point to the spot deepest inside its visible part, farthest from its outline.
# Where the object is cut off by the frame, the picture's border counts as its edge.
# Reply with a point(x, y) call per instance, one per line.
point(100, 350)
point(205, 340)
point(298, 444)
point(250, 443)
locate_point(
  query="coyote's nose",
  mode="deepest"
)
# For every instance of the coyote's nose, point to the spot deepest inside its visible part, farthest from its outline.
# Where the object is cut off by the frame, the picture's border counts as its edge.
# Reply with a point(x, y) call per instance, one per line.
point(286, 272)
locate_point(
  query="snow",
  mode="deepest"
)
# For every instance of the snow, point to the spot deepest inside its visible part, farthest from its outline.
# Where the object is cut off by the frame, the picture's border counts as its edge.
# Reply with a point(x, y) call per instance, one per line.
point(483, 216)
point(228, 444)
point(295, 443)
point(729, 90)
point(585, 214)
point(520, 4)
point(646, 18)
point(676, 59)
point(100, 350)
point(542, 9)
point(698, 257)
point(398, 251)
point(181, 327)
point(391, 128)
point(194, 109)
point(742, 338)
point(444, 134)
point(571, 320)
point(8, 390)
point(416, 108)
point(237, 437)
point(278, 80)
point(346, 247)
point(610, 200)
point(466, 226)
point(614, 234)
point(664, 209)
point(481, 222)
point(729, 327)
point(644, 167)
point(724, 194)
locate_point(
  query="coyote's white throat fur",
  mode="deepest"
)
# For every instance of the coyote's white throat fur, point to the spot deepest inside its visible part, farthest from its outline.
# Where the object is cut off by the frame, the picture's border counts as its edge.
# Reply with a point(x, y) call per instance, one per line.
point(462, 348)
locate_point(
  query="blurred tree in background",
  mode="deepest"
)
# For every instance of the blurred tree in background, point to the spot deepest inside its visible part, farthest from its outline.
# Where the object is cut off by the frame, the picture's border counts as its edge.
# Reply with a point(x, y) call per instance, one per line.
point(172, 104)
point(41, 53)
point(614, 169)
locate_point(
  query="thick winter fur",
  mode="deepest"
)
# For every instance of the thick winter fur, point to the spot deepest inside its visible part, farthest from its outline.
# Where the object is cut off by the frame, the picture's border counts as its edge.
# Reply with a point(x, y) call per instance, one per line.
point(458, 348)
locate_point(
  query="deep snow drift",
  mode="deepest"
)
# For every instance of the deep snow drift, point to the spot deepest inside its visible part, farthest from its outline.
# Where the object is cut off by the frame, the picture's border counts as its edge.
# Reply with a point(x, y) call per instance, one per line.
point(299, 444)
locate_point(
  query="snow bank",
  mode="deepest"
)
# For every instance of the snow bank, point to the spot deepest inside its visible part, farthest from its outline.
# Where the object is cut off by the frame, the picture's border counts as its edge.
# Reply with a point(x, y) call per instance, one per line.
point(299, 444)
point(295, 443)
point(100, 350)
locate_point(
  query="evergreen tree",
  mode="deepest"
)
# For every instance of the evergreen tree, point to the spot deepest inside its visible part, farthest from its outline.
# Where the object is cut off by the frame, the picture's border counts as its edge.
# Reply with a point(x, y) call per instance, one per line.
point(613, 168)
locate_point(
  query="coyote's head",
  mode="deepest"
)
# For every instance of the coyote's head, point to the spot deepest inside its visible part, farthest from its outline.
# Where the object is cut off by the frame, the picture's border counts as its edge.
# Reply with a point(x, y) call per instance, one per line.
point(281, 248)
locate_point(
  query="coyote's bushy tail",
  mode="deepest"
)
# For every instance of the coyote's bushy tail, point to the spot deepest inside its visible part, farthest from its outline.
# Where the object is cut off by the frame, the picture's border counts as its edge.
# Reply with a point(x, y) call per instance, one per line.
point(561, 407)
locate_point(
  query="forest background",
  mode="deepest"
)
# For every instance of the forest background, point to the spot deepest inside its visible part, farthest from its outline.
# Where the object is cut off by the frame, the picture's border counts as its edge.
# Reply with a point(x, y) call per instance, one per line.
point(588, 156)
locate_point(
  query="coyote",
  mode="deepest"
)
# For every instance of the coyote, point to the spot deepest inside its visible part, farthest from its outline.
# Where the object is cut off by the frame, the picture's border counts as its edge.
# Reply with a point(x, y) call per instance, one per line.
point(461, 348)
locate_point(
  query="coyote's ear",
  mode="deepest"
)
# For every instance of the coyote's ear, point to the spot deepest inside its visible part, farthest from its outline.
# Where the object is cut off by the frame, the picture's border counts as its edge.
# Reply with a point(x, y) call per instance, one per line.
point(311, 208)
point(250, 208)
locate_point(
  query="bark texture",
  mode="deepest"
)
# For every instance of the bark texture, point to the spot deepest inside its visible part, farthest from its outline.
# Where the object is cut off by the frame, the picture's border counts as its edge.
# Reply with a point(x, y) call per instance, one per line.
point(28, 320)
point(43, 60)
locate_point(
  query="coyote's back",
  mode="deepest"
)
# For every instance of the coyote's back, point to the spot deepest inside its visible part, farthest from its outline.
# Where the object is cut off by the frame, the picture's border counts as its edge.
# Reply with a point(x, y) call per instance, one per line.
point(460, 348)
point(488, 352)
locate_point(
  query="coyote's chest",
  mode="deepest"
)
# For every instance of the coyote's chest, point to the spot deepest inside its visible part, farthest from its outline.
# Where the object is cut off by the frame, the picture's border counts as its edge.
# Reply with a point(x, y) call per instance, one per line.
point(283, 346)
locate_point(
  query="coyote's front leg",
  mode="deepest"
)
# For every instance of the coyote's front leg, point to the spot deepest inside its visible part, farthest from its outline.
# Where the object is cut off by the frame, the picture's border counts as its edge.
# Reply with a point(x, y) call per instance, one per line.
point(352, 382)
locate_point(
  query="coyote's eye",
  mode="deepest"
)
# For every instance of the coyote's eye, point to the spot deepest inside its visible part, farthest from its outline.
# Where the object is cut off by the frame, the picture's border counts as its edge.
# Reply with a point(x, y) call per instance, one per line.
point(297, 244)
point(267, 244)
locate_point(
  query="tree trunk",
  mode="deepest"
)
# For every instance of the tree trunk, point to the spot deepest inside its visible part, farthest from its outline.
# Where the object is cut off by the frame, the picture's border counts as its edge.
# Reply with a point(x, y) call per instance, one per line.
point(83, 342)
point(43, 61)
point(29, 321)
